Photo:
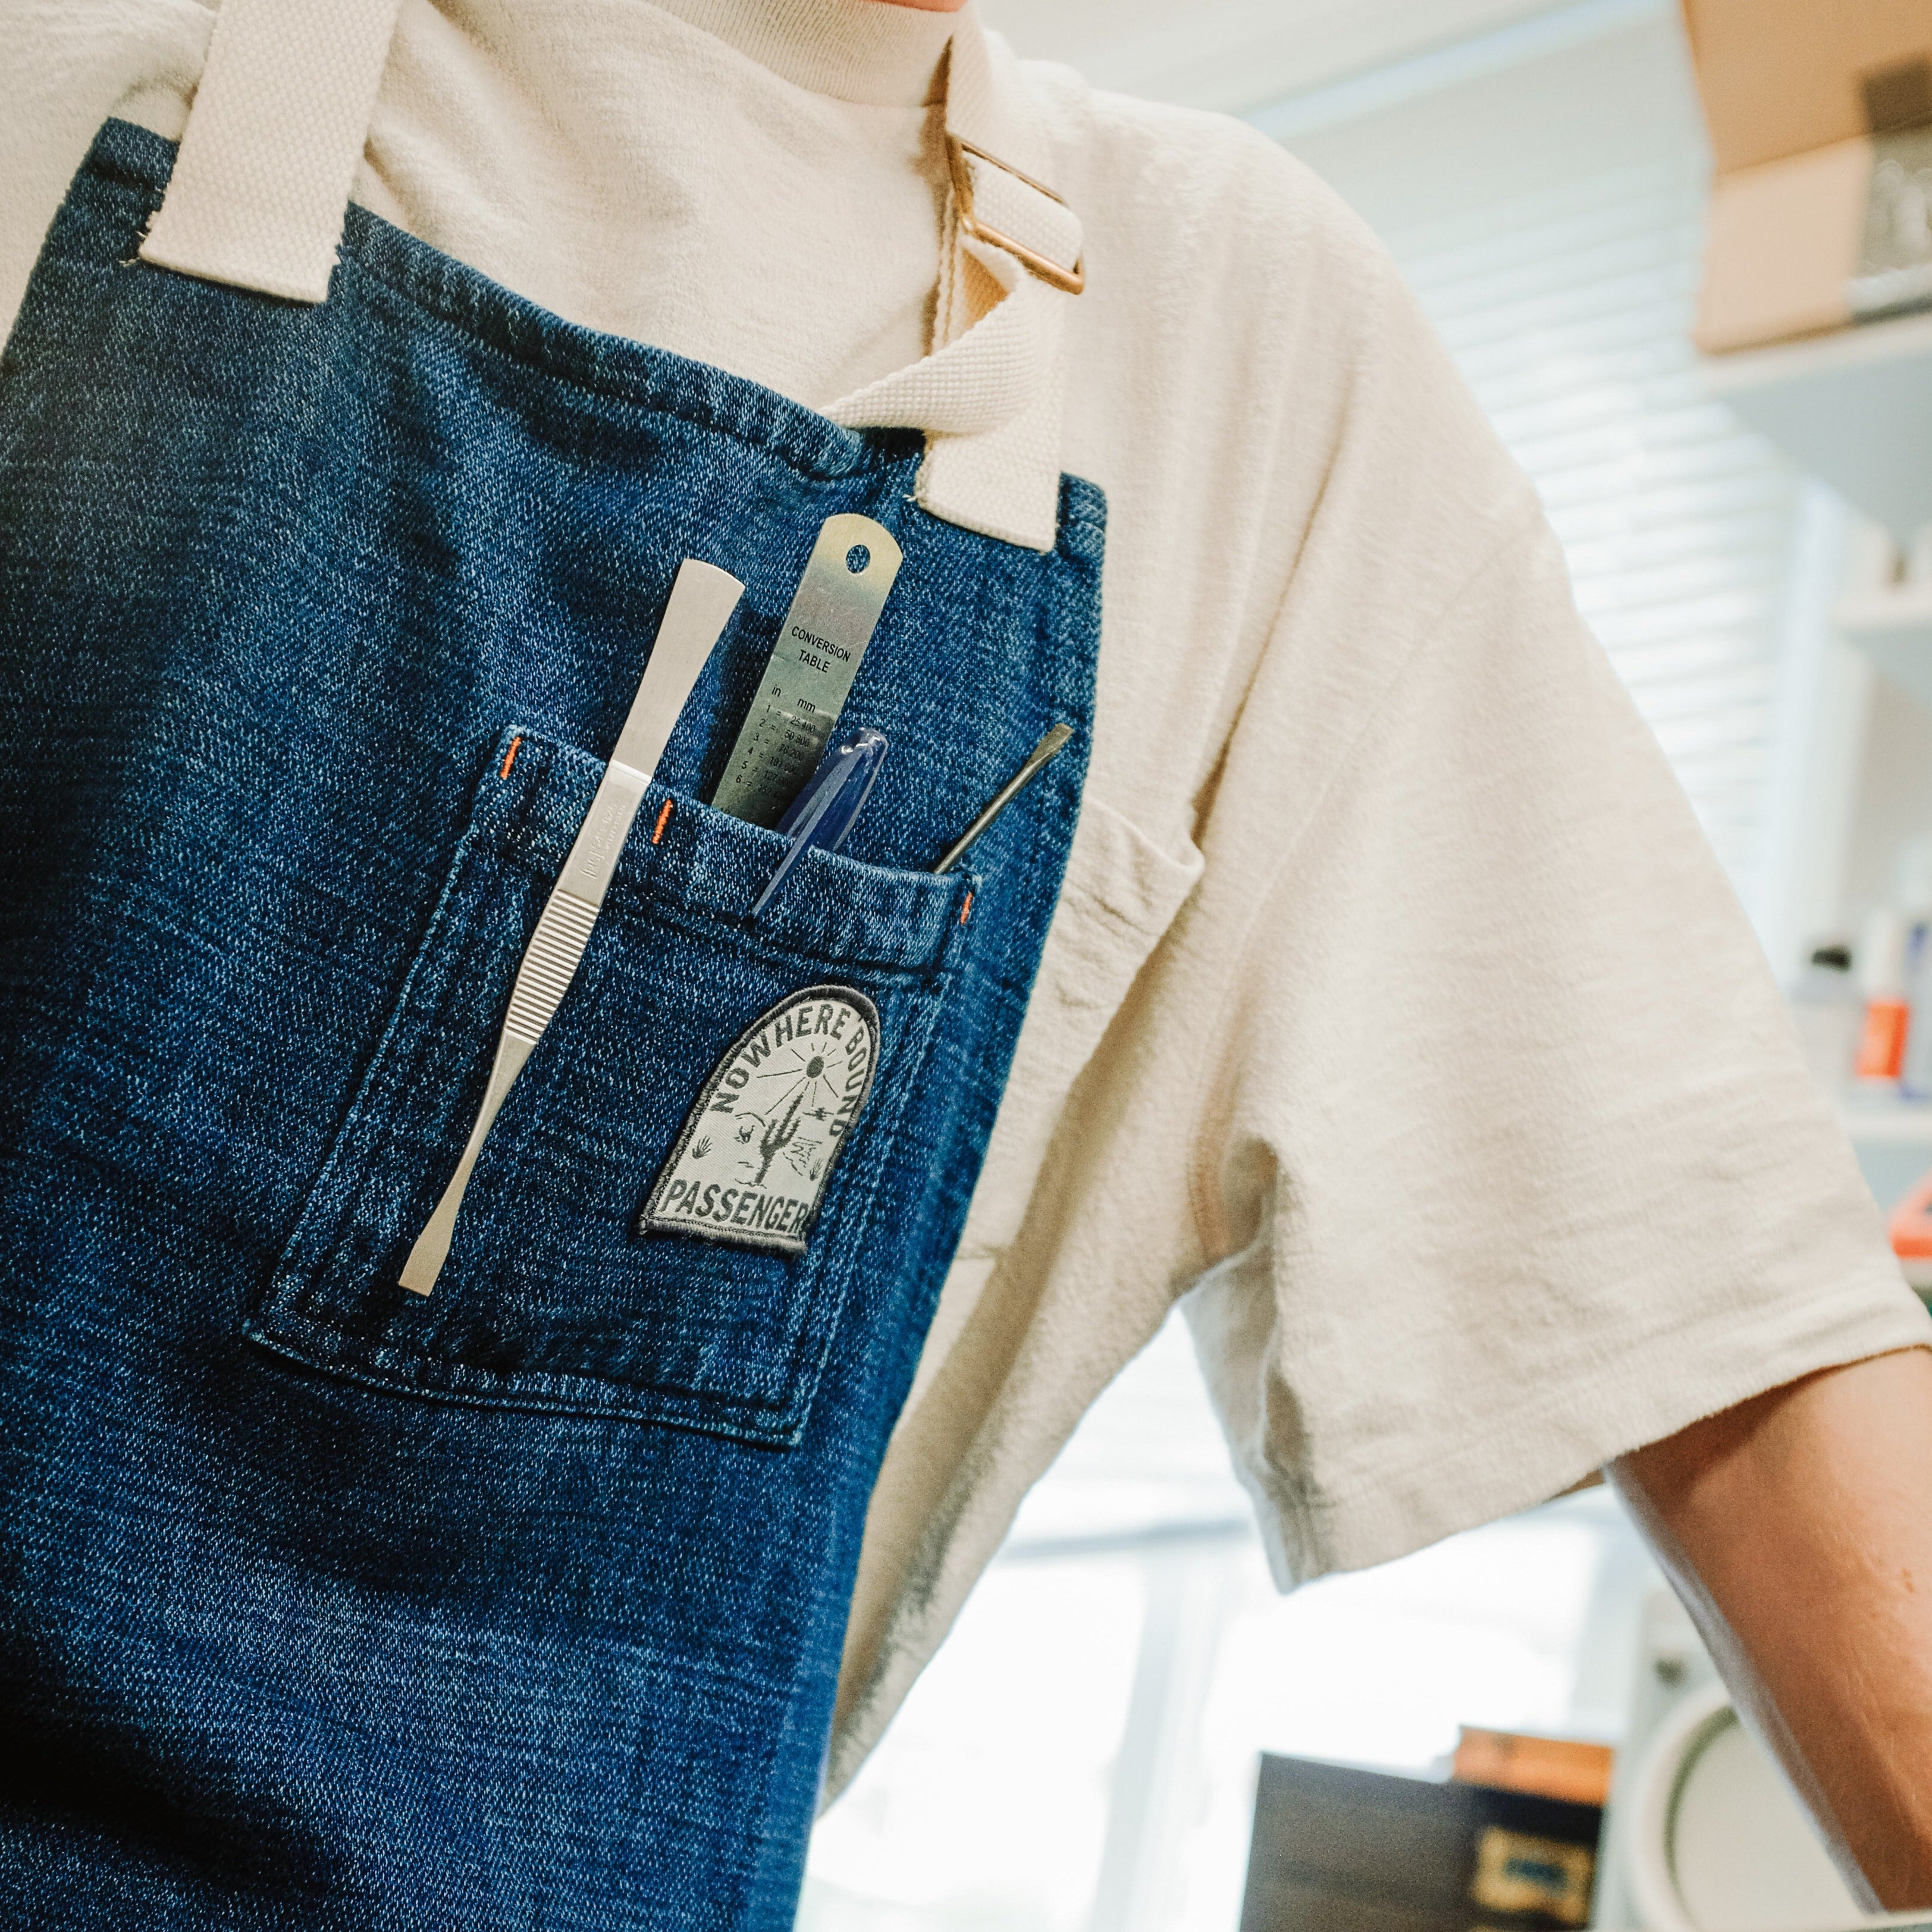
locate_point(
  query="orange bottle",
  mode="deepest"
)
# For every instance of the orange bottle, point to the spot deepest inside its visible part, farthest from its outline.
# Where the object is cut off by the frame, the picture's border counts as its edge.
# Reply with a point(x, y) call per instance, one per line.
point(1882, 1042)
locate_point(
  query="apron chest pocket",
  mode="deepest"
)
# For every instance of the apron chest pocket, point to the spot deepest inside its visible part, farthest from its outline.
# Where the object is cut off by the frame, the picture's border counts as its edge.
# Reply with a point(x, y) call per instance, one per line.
point(666, 1218)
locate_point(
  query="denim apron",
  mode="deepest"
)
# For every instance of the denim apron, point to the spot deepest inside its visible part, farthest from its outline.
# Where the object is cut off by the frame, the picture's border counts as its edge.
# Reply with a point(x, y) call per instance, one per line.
point(322, 1604)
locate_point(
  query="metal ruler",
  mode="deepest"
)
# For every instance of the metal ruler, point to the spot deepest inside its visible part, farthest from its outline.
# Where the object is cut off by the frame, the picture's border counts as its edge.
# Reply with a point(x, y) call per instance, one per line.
point(833, 613)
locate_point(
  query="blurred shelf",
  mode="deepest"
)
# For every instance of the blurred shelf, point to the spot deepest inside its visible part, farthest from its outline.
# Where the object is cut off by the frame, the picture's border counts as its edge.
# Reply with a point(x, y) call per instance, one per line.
point(1893, 626)
point(1854, 408)
point(1888, 1123)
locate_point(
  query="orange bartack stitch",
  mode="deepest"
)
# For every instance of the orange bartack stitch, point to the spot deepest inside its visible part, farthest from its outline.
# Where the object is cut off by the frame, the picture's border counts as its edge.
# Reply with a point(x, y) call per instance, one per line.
point(510, 756)
point(664, 819)
point(965, 908)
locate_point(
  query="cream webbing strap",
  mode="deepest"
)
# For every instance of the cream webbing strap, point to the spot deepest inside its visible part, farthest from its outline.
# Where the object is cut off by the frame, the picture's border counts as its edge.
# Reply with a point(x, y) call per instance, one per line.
point(1002, 192)
point(273, 137)
point(991, 397)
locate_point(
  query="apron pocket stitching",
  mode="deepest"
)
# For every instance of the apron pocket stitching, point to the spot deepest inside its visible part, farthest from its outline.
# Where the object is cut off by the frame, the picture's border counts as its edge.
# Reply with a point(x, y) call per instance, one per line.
point(325, 1304)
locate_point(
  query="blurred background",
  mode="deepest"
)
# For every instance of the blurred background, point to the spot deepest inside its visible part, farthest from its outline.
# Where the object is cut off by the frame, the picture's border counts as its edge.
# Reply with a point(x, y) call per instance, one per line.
point(1682, 258)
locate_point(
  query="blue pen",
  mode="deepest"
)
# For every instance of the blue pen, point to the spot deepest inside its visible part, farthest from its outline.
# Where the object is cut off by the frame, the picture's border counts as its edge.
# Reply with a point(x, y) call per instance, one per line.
point(823, 812)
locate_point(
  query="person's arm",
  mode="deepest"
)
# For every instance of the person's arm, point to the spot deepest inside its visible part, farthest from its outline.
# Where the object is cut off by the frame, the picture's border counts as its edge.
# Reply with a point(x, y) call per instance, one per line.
point(1798, 1529)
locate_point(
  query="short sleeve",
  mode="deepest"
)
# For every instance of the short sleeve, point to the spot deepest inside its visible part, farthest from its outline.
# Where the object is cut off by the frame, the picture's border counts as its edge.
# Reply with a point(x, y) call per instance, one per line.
point(1509, 1146)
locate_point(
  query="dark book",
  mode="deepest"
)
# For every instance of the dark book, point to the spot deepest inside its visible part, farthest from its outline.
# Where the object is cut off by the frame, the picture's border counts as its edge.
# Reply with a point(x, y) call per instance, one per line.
point(1341, 1850)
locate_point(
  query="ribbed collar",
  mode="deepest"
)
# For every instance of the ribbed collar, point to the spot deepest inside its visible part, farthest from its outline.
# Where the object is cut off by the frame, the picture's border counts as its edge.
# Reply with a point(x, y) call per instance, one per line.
point(861, 50)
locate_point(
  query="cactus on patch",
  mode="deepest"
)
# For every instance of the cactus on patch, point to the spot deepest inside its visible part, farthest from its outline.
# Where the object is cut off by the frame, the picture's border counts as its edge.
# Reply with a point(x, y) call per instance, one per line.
point(778, 1135)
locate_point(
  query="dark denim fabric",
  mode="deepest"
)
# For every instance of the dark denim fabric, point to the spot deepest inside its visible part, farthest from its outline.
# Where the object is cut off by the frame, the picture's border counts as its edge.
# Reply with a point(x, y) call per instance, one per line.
point(321, 1605)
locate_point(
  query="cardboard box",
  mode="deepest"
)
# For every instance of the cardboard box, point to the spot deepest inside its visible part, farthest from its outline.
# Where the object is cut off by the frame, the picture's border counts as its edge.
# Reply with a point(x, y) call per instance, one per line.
point(1820, 116)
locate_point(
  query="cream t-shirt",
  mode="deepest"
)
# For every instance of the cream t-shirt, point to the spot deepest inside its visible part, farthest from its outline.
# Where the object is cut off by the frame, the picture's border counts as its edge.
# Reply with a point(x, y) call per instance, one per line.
point(1395, 1013)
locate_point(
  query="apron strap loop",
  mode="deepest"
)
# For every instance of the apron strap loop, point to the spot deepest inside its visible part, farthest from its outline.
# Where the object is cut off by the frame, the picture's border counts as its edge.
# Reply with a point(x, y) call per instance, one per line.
point(1004, 208)
point(993, 445)
point(262, 181)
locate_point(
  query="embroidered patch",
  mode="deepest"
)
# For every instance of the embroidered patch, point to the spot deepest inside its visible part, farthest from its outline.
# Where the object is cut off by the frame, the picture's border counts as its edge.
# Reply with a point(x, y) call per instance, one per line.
point(756, 1151)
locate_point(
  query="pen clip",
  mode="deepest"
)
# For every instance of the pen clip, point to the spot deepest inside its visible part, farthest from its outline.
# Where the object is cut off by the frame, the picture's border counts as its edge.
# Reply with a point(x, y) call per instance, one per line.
point(823, 813)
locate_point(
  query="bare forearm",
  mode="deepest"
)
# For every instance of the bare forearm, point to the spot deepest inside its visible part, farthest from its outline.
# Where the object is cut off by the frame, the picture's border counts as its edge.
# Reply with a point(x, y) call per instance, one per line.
point(1798, 1527)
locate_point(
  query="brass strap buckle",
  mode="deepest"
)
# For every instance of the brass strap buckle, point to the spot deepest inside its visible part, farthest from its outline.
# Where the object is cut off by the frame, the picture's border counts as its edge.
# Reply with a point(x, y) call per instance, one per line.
point(1069, 281)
